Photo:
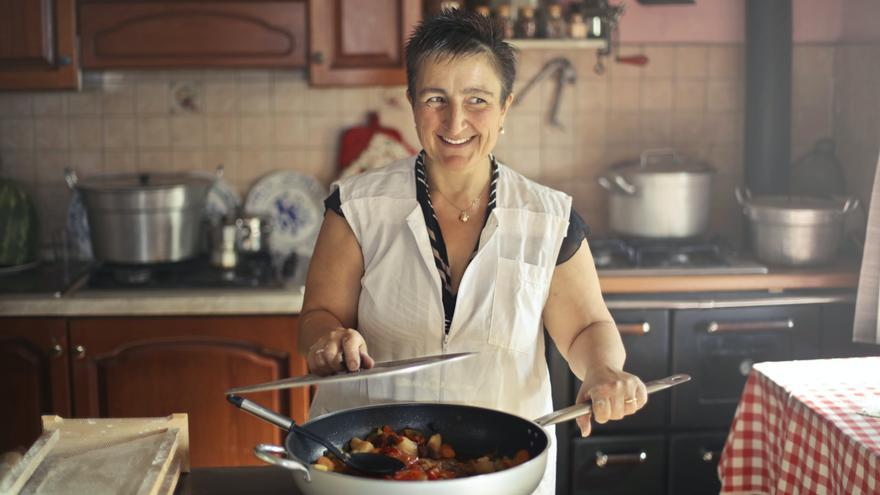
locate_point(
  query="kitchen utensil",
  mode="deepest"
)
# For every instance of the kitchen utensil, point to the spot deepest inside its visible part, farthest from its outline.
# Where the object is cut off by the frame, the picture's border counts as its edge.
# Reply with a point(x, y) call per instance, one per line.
point(565, 74)
point(385, 368)
point(295, 203)
point(224, 238)
point(472, 431)
point(660, 195)
point(373, 464)
point(143, 218)
point(253, 233)
point(222, 198)
point(78, 227)
point(795, 230)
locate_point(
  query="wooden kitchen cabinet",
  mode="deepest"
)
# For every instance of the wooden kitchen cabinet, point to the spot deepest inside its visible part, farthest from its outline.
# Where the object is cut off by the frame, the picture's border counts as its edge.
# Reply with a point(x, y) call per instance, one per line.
point(131, 367)
point(36, 381)
point(194, 33)
point(38, 44)
point(360, 42)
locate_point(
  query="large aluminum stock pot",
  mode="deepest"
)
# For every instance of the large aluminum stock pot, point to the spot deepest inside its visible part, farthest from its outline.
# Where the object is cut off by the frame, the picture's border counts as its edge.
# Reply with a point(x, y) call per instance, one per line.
point(143, 218)
point(795, 230)
point(658, 196)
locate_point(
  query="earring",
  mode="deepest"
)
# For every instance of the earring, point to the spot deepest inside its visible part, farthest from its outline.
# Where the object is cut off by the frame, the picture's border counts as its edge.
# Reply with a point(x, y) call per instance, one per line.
point(502, 129)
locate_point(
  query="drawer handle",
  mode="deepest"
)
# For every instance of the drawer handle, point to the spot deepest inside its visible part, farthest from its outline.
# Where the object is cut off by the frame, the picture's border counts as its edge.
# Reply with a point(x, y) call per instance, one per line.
point(749, 326)
point(709, 456)
point(638, 328)
point(603, 460)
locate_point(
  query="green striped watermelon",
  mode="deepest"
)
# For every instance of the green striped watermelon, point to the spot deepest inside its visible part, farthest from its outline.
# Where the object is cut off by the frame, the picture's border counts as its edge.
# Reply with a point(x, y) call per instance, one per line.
point(18, 225)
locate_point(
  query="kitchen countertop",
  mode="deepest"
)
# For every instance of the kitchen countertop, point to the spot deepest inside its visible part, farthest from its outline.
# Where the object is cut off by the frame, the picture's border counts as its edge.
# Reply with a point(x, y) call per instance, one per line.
point(620, 291)
point(840, 275)
point(156, 302)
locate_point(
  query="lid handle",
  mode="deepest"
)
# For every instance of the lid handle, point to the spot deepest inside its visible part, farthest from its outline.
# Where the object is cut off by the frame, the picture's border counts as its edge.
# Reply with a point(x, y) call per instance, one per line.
point(144, 179)
point(657, 153)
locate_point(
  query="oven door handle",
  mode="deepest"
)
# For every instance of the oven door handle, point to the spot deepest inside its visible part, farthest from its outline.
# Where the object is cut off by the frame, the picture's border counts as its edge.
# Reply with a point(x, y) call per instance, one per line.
point(750, 326)
point(636, 328)
point(630, 458)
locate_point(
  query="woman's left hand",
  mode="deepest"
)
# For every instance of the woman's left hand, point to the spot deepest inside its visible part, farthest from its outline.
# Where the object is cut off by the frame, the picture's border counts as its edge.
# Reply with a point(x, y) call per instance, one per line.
point(615, 394)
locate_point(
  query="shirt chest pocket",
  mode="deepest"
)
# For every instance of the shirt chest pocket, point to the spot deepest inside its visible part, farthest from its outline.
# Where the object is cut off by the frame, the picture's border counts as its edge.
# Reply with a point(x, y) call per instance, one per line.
point(520, 292)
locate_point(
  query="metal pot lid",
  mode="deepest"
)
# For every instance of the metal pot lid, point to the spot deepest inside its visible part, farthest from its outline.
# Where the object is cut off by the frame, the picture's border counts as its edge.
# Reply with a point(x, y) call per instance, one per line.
point(147, 180)
point(795, 210)
point(800, 203)
point(663, 162)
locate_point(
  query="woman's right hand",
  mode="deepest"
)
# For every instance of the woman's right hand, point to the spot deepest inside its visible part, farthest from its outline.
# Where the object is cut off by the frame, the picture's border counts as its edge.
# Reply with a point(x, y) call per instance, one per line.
point(342, 345)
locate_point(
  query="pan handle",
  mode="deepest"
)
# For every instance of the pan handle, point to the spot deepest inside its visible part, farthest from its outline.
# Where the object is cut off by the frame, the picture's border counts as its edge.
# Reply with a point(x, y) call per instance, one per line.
point(277, 456)
point(583, 408)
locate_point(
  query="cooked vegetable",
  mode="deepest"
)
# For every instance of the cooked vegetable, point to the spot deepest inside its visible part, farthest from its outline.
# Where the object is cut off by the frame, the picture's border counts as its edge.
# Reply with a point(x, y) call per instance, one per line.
point(425, 458)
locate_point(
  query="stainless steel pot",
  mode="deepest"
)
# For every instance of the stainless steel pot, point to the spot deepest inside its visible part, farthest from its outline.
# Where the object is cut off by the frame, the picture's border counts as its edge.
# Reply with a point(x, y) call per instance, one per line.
point(143, 218)
point(659, 196)
point(795, 230)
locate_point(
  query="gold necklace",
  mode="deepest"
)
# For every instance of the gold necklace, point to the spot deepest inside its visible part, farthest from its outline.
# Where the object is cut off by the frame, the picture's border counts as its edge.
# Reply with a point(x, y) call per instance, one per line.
point(465, 214)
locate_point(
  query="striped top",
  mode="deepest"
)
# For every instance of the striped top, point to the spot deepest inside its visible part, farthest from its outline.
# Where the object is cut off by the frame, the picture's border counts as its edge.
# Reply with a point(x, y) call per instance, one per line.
point(577, 229)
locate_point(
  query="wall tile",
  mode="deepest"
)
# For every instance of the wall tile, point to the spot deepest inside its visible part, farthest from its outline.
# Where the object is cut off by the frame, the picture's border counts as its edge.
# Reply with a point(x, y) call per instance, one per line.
point(187, 132)
point(119, 101)
point(84, 103)
point(255, 131)
point(50, 133)
point(120, 161)
point(661, 61)
point(622, 127)
point(592, 95)
point(625, 95)
point(689, 95)
point(655, 129)
point(289, 96)
point(692, 61)
point(16, 104)
point(221, 97)
point(50, 166)
point(254, 98)
point(19, 166)
point(158, 160)
point(86, 133)
point(120, 132)
point(86, 163)
point(153, 98)
point(50, 104)
point(656, 94)
point(221, 131)
point(16, 134)
point(724, 96)
point(291, 130)
point(726, 62)
point(153, 132)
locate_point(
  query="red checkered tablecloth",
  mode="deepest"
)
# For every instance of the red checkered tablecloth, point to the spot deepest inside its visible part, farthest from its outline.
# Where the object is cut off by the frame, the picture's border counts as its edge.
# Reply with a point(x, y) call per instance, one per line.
point(799, 429)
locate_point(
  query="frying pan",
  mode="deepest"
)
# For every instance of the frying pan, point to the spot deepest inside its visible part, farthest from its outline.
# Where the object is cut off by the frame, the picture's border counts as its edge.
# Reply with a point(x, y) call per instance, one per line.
point(472, 431)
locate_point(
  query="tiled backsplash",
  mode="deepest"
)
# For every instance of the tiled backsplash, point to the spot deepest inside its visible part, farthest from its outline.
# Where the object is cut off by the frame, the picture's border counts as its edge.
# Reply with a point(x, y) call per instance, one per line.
point(689, 97)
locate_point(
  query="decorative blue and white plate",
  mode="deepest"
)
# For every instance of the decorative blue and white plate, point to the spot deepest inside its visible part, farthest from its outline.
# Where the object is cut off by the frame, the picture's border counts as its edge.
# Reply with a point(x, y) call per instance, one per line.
point(78, 228)
point(222, 200)
point(295, 202)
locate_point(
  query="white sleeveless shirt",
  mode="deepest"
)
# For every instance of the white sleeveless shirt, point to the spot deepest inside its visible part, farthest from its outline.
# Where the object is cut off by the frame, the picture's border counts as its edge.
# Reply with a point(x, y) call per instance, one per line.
point(498, 308)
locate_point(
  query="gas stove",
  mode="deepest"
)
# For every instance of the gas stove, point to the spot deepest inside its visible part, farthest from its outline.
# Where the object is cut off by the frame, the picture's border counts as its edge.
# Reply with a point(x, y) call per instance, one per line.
point(640, 257)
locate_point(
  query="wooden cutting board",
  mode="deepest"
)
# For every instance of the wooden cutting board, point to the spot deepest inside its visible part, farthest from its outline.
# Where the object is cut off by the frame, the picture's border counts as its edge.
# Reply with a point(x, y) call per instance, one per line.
point(138, 456)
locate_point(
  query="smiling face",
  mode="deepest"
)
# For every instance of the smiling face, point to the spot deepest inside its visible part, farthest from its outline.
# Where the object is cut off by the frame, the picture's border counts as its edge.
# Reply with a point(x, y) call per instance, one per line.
point(458, 110)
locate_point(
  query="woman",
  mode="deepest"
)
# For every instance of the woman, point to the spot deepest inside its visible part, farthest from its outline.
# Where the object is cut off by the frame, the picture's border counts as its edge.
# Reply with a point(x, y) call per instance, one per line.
point(452, 251)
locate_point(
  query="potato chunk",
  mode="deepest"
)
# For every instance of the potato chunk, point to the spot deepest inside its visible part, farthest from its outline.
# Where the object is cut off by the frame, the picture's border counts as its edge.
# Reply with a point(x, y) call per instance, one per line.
point(359, 446)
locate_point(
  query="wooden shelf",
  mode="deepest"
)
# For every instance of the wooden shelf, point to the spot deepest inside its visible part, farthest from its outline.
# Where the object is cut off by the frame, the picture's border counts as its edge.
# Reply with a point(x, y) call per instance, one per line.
point(556, 44)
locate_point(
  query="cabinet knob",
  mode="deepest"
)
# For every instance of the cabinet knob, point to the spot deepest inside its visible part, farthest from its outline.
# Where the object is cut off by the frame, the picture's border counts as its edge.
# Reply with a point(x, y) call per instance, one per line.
point(708, 456)
point(317, 58)
point(64, 60)
point(56, 351)
point(79, 352)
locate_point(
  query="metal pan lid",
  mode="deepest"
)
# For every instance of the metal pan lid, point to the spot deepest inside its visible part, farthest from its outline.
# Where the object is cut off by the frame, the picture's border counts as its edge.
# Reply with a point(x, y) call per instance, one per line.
point(382, 369)
point(143, 181)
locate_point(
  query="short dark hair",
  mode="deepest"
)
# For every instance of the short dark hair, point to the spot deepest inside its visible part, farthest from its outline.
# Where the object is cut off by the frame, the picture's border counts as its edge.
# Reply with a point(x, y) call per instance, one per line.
point(458, 33)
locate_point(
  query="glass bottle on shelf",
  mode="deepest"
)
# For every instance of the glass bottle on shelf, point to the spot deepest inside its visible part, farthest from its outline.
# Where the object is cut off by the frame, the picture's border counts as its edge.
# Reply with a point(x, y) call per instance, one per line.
point(577, 28)
point(502, 15)
point(556, 27)
point(526, 27)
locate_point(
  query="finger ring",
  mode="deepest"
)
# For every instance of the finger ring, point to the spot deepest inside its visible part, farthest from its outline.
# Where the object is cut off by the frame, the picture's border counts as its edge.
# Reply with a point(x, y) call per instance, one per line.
point(630, 400)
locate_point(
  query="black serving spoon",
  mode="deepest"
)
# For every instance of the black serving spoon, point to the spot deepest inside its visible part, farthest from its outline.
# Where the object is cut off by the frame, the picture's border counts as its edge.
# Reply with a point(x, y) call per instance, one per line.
point(374, 464)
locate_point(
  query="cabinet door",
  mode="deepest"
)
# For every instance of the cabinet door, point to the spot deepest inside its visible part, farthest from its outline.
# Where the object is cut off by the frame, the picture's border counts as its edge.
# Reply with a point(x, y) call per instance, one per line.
point(34, 367)
point(718, 347)
point(645, 336)
point(360, 42)
point(693, 463)
point(837, 333)
point(193, 34)
point(130, 367)
point(619, 465)
point(37, 44)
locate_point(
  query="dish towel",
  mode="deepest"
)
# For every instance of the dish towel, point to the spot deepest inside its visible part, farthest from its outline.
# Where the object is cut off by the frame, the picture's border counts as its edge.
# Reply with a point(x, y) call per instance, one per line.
point(867, 324)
